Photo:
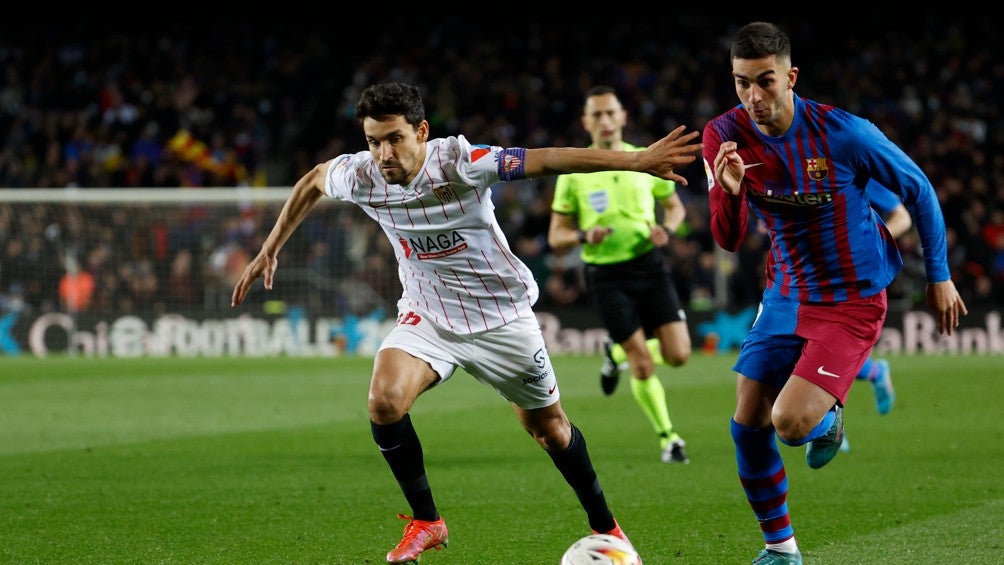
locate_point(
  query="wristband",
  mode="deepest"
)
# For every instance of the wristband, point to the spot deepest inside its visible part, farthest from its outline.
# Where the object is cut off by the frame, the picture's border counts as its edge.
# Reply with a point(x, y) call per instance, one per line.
point(582, 236)
point(667, 230)
point(512, 164)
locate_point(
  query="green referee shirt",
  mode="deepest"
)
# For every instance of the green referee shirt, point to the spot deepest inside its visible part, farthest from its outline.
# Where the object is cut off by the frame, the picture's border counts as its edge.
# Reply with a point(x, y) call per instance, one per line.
point(622, 200)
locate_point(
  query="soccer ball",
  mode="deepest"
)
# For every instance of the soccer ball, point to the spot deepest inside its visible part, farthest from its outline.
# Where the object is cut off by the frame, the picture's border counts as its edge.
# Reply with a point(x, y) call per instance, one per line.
point(601, 549)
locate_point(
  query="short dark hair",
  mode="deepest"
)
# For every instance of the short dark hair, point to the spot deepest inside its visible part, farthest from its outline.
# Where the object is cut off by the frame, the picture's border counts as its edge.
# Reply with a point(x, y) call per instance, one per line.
point(600, 90)
point(757, 40)
point(380, 101)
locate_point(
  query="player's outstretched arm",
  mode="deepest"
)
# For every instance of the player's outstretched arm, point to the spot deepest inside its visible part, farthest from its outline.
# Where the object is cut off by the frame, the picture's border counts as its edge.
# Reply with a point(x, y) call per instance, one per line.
point(306, 192)
point(674, 150)
point(659, 159)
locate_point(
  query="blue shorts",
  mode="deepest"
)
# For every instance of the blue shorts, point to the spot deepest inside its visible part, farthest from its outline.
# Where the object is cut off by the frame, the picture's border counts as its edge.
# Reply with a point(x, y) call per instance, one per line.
point(825, 344)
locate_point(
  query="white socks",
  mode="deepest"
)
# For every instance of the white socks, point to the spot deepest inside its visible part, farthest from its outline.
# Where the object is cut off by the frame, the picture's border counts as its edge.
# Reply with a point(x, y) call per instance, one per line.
point(786, 546)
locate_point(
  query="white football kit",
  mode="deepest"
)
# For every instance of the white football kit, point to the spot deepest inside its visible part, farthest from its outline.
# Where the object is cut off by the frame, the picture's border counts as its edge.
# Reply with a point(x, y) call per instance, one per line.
point(467, 297)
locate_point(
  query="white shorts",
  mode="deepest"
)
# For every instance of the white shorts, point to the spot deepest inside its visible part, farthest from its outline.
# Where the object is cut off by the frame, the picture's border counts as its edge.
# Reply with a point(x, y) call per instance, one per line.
point(511, 359)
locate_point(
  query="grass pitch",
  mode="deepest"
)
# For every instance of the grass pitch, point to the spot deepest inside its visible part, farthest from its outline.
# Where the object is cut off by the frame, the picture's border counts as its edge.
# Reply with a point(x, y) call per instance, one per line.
point(208, 461)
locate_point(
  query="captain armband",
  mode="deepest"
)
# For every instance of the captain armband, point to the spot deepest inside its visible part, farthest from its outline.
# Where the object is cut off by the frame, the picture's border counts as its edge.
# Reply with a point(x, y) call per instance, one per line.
point(512, 164)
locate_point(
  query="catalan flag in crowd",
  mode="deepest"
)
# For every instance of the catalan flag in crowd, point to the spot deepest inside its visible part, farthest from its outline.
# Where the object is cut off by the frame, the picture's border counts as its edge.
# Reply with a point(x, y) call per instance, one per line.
point(190, 148)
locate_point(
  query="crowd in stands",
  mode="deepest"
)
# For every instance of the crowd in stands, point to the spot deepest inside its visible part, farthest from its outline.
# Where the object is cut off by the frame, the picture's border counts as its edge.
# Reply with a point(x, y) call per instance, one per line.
point(253, 106)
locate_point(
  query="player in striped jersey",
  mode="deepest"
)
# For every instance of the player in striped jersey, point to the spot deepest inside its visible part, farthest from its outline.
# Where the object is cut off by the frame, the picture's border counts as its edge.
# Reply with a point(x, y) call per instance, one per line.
point(801, 167)
point(467, 297)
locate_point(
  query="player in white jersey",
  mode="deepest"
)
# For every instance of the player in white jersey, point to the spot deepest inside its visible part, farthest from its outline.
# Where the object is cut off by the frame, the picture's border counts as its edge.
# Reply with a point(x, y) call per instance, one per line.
point(467, 298)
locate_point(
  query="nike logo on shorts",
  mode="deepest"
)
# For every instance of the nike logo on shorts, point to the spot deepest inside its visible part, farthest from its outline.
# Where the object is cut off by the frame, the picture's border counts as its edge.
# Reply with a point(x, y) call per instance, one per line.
point(551, 390)
point(826, 373)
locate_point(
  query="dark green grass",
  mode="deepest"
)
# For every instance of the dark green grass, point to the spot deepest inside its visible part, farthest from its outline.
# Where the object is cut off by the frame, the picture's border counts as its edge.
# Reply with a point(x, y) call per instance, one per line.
point(271, 461)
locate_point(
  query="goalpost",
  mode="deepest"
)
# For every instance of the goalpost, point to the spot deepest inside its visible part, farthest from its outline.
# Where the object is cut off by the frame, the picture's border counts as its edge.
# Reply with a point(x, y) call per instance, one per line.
point(137, 272)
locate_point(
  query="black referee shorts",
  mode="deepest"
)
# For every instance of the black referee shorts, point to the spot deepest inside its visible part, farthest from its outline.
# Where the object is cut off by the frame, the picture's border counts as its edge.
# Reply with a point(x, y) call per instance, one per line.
point(635, 293)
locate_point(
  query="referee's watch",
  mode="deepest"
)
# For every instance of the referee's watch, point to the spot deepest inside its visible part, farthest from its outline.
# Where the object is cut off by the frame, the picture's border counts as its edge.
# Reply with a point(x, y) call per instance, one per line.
point(582, 236)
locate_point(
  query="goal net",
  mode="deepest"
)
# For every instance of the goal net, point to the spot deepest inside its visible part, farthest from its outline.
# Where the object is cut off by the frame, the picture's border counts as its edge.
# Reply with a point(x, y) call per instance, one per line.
point(139, 272)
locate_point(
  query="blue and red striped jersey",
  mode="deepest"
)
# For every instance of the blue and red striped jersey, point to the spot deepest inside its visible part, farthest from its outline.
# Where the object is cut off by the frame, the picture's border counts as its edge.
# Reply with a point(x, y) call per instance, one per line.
point(807, 187)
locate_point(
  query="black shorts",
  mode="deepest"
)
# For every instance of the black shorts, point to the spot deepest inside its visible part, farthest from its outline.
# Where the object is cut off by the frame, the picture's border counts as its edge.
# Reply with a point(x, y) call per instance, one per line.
point(634, 294)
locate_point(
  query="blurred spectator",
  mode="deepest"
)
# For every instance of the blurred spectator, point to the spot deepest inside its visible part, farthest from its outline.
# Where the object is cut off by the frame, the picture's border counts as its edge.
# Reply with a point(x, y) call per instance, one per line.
point(76, 287)
point(184, 283)
point(565, 283)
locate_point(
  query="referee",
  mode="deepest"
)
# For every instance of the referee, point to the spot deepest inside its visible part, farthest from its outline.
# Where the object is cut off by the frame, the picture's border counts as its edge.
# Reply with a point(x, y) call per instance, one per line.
point(612, 215)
